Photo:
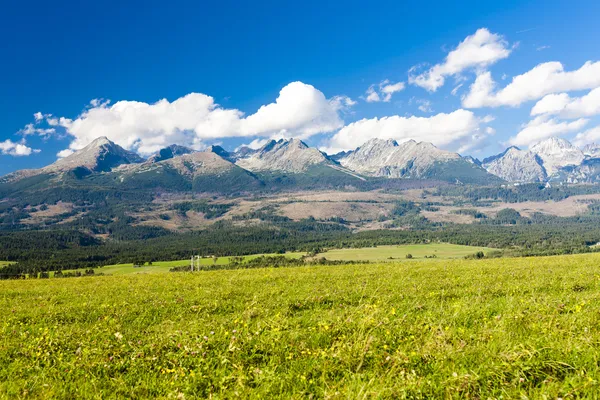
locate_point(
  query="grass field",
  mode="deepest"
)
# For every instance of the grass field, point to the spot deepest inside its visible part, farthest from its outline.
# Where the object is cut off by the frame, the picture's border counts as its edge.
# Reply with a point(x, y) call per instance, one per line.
point(418, 251)
point(5, 263)
point(500, 328)
point(165, 266)
point(375, 254)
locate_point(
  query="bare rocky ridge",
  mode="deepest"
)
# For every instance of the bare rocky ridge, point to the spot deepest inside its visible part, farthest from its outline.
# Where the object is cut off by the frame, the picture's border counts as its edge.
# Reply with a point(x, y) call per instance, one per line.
point(553, 159)
point(557, 153)
point(101, 155)
point(592, 150)
point(387, 158)
point(169, 152)
point(515, 165)
point(291, 155)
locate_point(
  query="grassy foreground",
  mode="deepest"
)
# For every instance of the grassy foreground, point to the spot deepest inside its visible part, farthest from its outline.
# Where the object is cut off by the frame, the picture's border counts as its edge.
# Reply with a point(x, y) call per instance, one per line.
point(501, 328)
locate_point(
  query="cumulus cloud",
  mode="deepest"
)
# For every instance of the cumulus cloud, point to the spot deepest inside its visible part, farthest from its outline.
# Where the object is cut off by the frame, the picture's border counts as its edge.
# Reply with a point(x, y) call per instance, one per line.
point(566, 107)
point(445, 130)
point(479, 50)
point(543, 127)
point(300, 110)
point(64, 153)
point(383, 91)
point(546, 78)
point(587, 137)
point(16, 149)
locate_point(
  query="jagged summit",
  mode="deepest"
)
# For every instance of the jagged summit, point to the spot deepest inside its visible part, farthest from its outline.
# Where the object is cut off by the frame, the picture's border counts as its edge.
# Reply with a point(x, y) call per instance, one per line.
point(169, 152)
point(516, 165)
point(553, 159)
point(489, 159)
point(591, 150)
point(379, 157)
point(557, 153)
point(218, 150)
point(291, 155)
point(101, 155)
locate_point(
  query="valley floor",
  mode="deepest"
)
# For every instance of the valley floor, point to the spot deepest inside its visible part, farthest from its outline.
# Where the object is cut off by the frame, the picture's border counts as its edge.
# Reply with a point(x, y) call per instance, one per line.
point(499, 328)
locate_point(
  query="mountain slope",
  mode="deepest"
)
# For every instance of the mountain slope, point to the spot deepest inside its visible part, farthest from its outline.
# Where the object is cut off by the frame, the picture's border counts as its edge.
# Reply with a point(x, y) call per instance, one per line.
point(204, 171)
point(515, 165)
point(557, 153)
point(411, 159)
point(101, 155)
point(591, 150)
point(292, 156)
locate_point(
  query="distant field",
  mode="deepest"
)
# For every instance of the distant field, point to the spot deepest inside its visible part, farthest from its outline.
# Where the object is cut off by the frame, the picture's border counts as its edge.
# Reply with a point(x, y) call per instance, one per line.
point(495, 328)
point(375, 254)
point(418, 251)
point(164, 266)
point(5, 263)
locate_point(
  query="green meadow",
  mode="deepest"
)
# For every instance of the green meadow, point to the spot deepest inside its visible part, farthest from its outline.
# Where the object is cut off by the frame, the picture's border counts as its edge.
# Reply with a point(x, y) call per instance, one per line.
point(492, 328)
point(165, 266)
point(372, 254)
point(417, 251)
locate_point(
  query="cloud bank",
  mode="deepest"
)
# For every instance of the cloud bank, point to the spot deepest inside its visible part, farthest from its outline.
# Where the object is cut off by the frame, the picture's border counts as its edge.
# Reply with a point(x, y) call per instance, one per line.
point(444, 130)
point(300, 111)
point(544, 79)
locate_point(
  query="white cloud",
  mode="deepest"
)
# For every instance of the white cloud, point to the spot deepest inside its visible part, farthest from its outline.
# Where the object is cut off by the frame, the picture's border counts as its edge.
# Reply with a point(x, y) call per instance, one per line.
point(255, 144)
point(540, 48)
point(383, 91)
point(445, 130)
point(64, 153)
point(11, 148)
point(587, 137)
point(477, 141)
point(542, 127)
point(543, 79)
point(566, 107)
point(424, 106)
point(454, 91)
point(479, 50)
point(343, 103)
point(300, 110)
point(32, 129)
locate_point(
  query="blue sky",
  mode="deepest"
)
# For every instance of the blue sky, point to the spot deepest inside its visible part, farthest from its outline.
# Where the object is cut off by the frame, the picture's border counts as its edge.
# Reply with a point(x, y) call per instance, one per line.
point(243, 72)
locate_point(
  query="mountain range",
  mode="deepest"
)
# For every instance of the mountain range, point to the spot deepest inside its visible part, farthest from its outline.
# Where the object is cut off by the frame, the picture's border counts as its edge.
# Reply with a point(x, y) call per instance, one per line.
point(293, 163)
point(551, 160)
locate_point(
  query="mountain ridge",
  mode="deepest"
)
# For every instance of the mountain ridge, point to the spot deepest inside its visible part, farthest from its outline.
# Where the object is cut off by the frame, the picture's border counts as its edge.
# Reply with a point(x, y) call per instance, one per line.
point(551, 159)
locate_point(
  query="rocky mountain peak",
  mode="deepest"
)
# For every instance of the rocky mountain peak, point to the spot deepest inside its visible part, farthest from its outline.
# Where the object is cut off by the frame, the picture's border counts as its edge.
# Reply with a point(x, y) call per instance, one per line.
point(169, 152)
point(591, 150)
point(101, 155)
point(291, 155)
point(557, 153)
point(409, 159)
point(516, 165)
